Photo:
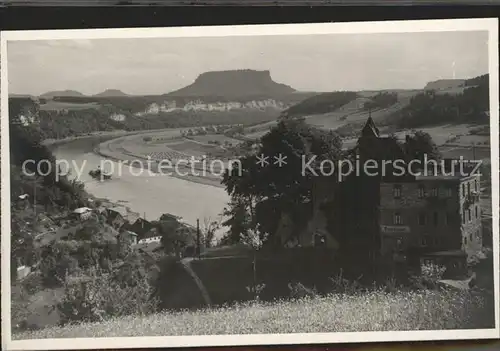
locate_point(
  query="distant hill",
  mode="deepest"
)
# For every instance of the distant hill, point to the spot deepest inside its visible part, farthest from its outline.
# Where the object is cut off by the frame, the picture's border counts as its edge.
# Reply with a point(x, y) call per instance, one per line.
point(238, 83)
point(442, 101)
point(445, 84)
point(20, 95)
point(52, 94)
point(111, 93)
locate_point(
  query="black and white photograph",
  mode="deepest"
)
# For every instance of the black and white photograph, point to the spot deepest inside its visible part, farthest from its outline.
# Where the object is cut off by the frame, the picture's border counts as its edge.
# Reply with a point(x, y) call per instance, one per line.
point(250, 185)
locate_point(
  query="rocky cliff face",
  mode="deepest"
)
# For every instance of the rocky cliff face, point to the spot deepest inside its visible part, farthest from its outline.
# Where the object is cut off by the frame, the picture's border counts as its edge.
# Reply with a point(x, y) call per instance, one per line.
point(234, 84)
point(200, 105)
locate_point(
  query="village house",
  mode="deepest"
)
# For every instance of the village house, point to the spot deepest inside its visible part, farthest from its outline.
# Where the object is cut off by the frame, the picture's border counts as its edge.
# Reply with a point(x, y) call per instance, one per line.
point(23, 202)
point(82, 213)
point(434, 216)
point(433, 212)
point(116, 217)
point(151, 236)
point(140, 226)
point(128, 237)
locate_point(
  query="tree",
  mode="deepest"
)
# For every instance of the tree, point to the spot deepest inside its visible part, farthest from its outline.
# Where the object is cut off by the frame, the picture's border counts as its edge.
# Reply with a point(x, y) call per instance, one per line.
point(238, 221)
point(263, 192)
point(209, 230)
point(175, 236)
point(255, 240)
point(420, 146)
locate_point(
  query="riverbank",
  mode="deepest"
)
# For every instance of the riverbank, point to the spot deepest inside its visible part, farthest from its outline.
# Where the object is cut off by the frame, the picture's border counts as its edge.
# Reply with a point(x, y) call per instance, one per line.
point(113, 150)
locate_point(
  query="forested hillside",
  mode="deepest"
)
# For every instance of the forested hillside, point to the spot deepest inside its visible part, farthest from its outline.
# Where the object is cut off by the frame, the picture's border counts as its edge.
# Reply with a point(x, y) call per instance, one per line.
point(434, 108)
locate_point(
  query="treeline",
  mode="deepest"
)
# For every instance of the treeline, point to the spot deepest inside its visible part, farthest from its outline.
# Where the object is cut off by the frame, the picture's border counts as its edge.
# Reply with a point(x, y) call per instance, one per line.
point(134, 104)
point(381, 100)
point(431, 108)
point(58, 124)
point(119, 103)
point(321, 103)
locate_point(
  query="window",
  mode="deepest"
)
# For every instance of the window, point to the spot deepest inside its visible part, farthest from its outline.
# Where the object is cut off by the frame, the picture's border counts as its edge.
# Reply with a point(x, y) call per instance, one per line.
point(463, 216)
point(434, 192)
point(465, 240)
point(422, 219)
point(397, 218)
point(475, 185)
point(468, 188)
point(448, 191)
point(423, 241)
point(463, 190)
point(396, 191)
point(477, 211)
point(421, 191)
point(399, 243)
point(448, 218)
point(469, 216)
point(470, 236)
point(435, 218)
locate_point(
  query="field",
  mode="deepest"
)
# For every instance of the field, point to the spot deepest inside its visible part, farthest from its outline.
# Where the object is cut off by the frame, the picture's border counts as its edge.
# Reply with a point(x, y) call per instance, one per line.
point(219, 138)
point(377, 310)
point(353, 112)
point(52, 105)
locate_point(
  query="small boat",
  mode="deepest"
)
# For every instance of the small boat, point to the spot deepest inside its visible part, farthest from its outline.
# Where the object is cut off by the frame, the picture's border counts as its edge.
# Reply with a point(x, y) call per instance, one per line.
point(98, 174)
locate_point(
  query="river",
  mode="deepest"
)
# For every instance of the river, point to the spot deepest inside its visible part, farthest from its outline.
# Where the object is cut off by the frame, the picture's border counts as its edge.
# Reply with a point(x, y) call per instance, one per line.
point(152, 195)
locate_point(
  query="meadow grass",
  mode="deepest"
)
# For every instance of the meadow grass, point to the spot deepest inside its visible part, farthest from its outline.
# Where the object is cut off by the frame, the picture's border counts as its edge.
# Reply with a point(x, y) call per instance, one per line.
point(368, 311)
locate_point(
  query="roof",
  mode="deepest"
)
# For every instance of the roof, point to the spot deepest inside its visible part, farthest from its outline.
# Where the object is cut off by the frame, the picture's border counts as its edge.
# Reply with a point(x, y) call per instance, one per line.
point(82, 210)
point(121, 210)
point(169, 216)
point(370, 128)
point(132, 217)
point(129, 232)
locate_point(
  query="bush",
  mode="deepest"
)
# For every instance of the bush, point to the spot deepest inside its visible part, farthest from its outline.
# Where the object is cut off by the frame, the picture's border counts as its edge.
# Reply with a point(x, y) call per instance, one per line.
point(430, 274)
point(98, 296)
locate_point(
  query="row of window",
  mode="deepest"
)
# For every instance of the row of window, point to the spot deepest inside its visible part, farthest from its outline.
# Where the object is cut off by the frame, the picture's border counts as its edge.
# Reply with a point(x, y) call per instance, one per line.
point(425, 241)
point(397, 191)
point(422, 219)
point(466, 188)
point(476, 235)
point(434, 191)
point(468, 215)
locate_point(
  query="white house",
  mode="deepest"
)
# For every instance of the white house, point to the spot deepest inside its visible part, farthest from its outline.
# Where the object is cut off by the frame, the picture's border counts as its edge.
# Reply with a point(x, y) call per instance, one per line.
point(151, 239)
point(82, 213)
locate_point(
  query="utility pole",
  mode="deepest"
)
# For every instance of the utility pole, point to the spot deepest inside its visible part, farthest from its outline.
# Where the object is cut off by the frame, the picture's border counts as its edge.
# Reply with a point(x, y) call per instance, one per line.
point(198, 237)
point(34, 196)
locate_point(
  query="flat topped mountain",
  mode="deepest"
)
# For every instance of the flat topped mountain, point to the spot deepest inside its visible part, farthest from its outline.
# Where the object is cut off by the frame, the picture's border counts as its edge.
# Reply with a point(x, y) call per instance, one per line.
point(236, 83)
point(111, 93)
point(52, 94)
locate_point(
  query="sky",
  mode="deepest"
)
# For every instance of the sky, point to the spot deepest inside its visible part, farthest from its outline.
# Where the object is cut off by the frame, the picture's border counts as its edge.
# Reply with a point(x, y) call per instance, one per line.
point(318, 63)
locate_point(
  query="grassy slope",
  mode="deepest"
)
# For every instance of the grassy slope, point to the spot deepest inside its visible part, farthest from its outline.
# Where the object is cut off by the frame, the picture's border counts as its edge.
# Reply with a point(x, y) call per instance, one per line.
point(372, 311)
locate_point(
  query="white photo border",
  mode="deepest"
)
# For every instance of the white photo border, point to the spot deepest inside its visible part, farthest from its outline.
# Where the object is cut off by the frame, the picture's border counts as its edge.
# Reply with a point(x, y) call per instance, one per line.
point(484, 24)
